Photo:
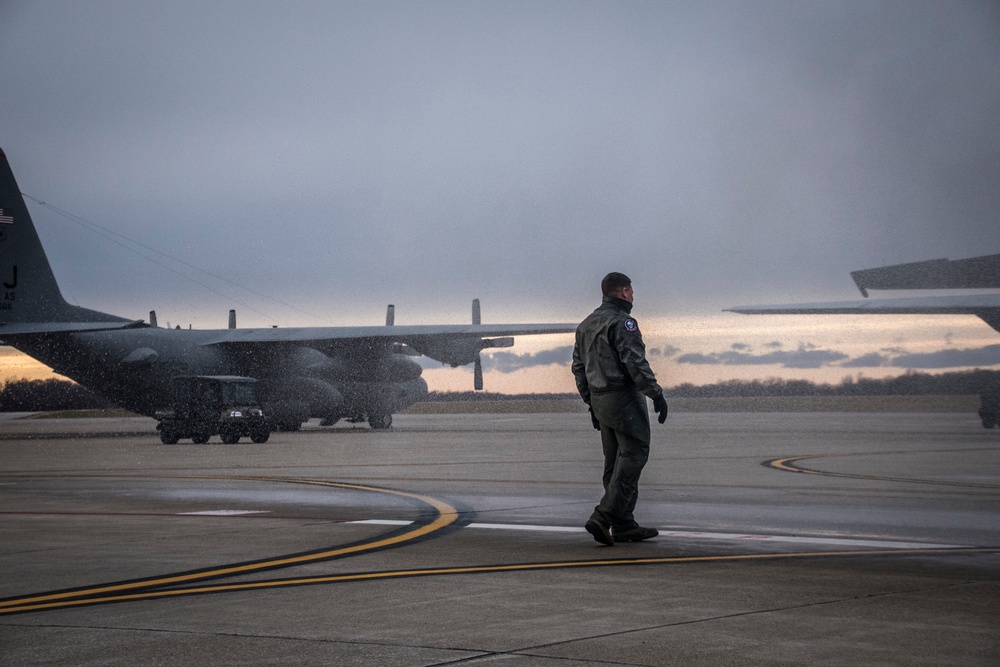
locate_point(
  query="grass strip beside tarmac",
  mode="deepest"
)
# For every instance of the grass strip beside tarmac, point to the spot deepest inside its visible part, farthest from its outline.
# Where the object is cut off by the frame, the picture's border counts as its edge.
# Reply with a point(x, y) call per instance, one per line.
point(961, 403)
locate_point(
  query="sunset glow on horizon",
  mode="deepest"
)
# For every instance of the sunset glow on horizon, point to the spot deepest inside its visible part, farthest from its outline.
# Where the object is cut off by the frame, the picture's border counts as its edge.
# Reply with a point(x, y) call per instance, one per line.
point(718, 341)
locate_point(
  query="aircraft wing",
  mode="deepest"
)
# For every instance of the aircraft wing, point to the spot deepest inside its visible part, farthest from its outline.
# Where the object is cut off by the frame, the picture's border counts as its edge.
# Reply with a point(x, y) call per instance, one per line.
point(951, 304)
point(973, 273)
point(454, 344)
point(391, 333)
point(22, 328)
point(984, 306)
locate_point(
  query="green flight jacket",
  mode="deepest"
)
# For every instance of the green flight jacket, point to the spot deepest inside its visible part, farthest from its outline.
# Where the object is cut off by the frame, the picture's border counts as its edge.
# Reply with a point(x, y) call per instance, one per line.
point(609, 355)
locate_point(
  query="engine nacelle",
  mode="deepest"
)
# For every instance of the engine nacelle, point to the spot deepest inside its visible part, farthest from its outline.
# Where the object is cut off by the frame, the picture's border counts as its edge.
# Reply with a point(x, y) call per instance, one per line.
point(400, 368)
point(321, 397)
point(456, 352)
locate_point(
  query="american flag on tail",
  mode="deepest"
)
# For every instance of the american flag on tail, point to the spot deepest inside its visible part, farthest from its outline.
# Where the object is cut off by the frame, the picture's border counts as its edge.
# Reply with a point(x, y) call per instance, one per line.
point(6, 219)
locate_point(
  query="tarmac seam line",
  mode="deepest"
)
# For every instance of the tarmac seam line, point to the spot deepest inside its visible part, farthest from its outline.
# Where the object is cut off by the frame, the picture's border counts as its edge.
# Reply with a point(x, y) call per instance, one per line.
point(244, 635)
point(854, 598)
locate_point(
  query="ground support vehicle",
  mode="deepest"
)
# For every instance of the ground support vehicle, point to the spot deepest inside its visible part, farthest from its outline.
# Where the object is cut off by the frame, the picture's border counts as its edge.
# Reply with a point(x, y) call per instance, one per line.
point(990, 410)
point(207, 405)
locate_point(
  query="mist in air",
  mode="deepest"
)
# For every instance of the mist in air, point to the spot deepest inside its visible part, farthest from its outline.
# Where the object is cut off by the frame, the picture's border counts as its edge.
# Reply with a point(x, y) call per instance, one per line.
point(318, 161)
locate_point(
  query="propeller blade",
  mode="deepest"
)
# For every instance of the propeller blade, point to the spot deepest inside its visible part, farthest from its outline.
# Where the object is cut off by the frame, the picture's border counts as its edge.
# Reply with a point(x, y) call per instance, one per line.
point(476, 318)
point(390, 315)
point(477, 381)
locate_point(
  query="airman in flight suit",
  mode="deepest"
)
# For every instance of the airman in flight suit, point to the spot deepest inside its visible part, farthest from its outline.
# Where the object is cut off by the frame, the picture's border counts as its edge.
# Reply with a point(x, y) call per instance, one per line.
point(614, 379)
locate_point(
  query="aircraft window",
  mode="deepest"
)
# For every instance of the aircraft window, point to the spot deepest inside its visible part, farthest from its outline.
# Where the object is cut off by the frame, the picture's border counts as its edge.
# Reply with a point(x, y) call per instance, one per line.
point(209, 395)
point(239, 394)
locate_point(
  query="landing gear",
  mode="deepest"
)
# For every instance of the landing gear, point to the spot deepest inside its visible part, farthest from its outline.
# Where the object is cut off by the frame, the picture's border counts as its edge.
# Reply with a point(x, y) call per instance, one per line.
point(168, 437)
point(380, 422)
point(229, 437)
point(287, 425)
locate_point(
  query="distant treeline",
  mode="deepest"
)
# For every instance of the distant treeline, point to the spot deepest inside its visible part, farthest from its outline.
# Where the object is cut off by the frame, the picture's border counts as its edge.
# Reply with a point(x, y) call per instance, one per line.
point(908, 384)
point(53, 394)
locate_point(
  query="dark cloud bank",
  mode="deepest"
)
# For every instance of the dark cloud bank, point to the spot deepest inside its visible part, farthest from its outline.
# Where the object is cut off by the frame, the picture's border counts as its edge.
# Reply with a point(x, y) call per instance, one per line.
point(806, 356)
point(809, 356)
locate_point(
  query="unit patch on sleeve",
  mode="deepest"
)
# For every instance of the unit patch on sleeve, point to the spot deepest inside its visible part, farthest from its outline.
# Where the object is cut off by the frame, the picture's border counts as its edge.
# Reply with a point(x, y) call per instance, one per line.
point(631, 325)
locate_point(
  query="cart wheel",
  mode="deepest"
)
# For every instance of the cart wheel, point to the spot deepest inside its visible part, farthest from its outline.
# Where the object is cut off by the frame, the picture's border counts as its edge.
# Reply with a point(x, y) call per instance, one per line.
point(380, 422)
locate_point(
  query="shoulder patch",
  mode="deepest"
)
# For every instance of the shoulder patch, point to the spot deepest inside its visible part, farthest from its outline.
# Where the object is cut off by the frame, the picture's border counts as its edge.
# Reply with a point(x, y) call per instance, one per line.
point(631, 325)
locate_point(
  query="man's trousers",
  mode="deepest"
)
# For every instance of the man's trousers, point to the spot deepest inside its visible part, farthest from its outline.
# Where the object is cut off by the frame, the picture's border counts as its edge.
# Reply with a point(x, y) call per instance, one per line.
point(625, 435)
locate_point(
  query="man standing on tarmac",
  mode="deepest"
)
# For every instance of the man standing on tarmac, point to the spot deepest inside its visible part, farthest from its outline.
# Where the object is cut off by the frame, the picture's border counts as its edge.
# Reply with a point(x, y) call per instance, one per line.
point(614, 378)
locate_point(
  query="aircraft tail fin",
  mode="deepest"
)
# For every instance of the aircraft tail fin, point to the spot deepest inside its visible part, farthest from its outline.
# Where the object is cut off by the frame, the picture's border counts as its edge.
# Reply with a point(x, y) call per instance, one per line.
point(29, 294)
point(973, 273)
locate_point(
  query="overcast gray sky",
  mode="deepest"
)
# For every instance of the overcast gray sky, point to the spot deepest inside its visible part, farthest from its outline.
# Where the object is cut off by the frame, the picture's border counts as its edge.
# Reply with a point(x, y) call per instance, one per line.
point(341, 156)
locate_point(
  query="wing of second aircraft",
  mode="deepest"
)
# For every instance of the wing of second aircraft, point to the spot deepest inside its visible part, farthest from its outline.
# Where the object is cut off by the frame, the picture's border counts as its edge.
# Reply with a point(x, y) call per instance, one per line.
point(984, 306)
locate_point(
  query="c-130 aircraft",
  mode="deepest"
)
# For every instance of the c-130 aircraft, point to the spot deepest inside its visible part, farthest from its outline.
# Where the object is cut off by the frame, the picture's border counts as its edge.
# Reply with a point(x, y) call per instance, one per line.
point(354, 373)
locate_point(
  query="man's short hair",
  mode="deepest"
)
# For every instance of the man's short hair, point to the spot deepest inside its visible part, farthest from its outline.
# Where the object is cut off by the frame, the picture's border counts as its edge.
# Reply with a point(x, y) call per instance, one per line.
point(614, 282)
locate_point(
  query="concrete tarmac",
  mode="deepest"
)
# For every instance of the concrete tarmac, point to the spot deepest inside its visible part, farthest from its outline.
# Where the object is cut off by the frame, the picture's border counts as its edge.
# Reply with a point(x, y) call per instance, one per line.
point(793, 538)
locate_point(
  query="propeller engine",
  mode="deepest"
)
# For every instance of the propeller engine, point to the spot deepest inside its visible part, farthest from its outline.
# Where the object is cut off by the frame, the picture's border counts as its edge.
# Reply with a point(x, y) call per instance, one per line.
point(463, 349)
point(477, 372)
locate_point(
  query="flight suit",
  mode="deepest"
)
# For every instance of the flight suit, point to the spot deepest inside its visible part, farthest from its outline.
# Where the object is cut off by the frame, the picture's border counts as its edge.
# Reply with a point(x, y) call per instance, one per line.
point(614, 378)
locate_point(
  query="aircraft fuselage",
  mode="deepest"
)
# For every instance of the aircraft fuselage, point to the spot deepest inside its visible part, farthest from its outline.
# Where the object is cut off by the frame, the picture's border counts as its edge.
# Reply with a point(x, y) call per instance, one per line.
point(133, 368)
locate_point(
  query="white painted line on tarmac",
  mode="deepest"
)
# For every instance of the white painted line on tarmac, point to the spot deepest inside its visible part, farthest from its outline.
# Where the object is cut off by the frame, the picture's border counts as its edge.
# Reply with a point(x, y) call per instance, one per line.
point(699, 535)
point(518, 526)
point(223, 513)
point(806, 539)
point(494, 526)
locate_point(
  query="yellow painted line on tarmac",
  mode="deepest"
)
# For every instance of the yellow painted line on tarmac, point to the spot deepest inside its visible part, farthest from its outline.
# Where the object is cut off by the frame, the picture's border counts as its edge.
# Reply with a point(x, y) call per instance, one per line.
point(783, 464)
point(788, 464)
point(472, 569)
point(446, 515)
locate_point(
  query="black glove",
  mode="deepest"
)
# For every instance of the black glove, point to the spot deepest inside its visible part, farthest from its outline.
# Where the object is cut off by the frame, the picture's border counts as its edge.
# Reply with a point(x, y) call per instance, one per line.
point(593, 419)
point(660, 405)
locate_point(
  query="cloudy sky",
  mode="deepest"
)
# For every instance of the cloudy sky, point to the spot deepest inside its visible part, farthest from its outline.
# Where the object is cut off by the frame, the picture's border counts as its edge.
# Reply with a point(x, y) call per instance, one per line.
point(308, 163)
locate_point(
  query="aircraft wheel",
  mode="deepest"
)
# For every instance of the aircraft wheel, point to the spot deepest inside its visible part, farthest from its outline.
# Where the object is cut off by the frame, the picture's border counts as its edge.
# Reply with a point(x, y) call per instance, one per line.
point(260, 437)
point(168, 437)
point(989, 421)
point(380, 422)
point(200, 439)
point(229, 437)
